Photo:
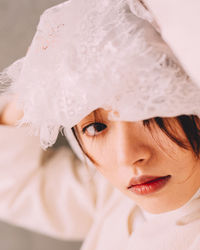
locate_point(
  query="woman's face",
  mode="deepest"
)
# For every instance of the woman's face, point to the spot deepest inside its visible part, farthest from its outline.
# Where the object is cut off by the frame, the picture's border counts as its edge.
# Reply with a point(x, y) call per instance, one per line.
point(147, 166)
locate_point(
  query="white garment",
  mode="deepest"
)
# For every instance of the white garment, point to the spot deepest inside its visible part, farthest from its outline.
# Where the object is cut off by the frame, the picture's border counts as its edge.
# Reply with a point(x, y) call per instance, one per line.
point(179, 25)
point(60, 197)
point(112, 57)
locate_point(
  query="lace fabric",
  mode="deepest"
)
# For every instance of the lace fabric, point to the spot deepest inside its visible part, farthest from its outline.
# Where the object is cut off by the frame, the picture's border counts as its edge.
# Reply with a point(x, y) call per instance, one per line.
point(90, 54)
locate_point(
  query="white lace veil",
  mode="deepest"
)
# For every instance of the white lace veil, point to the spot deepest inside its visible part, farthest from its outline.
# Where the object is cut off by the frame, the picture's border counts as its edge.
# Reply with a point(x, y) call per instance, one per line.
point(89, 54)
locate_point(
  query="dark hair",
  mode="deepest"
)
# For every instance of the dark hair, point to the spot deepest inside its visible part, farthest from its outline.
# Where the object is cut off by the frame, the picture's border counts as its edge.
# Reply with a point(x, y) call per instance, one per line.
point(190, 124)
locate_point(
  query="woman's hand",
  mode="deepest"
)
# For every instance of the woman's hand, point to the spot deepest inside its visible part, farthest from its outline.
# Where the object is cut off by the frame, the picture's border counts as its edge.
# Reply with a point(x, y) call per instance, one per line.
point(11, 114)
point(179, 22)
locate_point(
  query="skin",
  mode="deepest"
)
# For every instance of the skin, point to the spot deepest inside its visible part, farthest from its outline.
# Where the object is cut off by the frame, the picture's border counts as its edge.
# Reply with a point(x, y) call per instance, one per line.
point(122, 150)
point(11, 113)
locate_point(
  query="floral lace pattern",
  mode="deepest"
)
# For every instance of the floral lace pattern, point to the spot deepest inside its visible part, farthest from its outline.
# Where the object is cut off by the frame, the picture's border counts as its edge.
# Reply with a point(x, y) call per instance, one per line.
point(90, 54)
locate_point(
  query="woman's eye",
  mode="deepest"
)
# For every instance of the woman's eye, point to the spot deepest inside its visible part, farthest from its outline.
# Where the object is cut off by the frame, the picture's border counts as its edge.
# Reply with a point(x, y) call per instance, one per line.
point(94, 128)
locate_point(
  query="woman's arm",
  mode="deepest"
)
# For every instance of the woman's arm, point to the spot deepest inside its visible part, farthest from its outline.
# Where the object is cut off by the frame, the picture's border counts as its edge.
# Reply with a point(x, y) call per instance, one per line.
point(179, 22)
point(51, 191)
point(43, 191)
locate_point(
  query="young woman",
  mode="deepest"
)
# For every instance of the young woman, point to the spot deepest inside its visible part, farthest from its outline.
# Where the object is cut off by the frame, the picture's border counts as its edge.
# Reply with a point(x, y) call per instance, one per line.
point(101, 71)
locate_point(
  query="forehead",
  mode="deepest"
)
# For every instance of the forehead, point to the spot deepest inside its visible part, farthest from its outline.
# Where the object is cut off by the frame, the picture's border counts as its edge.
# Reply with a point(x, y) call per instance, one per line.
point(100, 113)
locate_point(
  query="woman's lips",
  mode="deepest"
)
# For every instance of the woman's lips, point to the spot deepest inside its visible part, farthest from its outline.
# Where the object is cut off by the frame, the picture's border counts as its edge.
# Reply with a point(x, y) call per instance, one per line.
point(147, 184)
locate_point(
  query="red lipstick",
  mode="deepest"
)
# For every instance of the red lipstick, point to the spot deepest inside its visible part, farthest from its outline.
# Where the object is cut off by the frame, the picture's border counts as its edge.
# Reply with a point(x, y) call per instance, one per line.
point(147, 184)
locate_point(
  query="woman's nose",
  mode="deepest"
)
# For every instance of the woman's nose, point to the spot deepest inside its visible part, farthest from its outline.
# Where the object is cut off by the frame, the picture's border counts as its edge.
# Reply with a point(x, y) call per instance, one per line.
point(132, 146)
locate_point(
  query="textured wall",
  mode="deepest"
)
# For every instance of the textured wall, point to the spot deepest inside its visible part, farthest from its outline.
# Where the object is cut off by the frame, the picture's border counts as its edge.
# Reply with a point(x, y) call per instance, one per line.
point(14, 238)
point(18, 21)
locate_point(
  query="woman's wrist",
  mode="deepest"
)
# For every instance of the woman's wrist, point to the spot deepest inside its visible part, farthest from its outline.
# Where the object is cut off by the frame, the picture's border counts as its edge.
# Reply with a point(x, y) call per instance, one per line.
point(10, 114)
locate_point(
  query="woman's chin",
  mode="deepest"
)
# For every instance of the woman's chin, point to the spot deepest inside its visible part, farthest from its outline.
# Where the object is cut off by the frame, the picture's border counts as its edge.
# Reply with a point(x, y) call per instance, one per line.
point(159, 204)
